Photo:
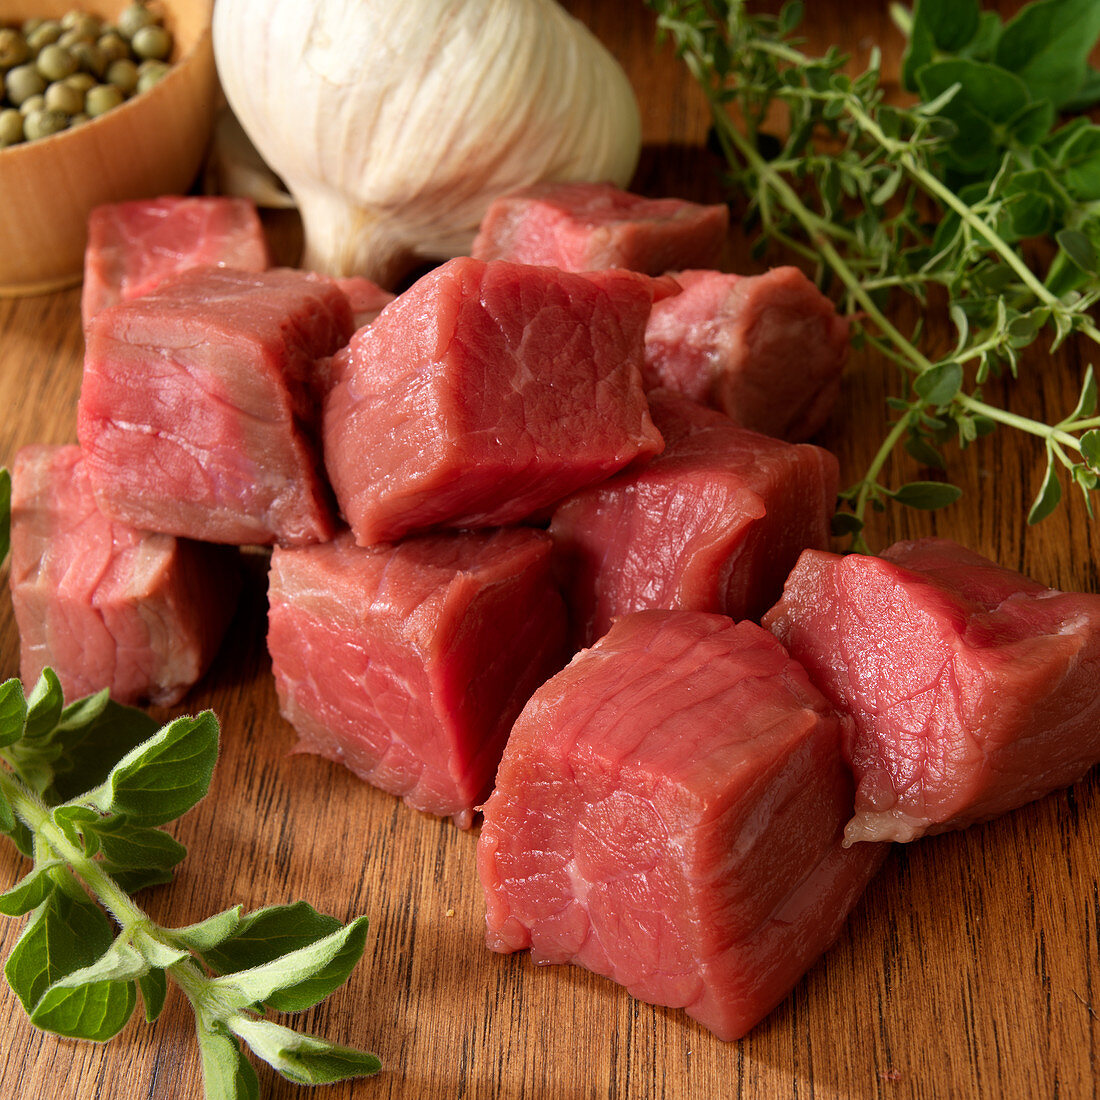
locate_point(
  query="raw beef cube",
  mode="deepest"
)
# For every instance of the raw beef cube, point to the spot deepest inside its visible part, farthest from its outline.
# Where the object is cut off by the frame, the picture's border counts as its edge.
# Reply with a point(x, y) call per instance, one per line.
point(589, 226)
point(669, 813)
point(484, 393)
point(101, 603)
point(367, 298)
point(767, 350)
point(199, 413)
point(712, 524)
point(133, 246)
point(973, 689)
point(409, 663)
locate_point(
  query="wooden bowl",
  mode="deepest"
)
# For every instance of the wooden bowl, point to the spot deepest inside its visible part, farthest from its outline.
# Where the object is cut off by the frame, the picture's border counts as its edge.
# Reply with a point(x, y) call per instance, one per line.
point(151, 145)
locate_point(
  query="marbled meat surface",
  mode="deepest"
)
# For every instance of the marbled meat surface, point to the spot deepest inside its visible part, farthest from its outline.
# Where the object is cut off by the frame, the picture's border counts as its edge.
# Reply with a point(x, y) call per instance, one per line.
point(199, 409)
point(669, 813)
point(409, 663)
point(102, 603)
point(973, 689)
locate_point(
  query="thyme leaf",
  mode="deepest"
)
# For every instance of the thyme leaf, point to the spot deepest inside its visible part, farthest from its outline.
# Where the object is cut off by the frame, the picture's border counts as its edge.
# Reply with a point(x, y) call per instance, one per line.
point(887, 201)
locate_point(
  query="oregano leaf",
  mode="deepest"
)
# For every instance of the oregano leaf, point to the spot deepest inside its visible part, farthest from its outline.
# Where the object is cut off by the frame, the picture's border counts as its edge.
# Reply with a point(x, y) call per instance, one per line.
point(1047, 43)
point(90, 1010)
point(96, 1001)
point(1078, 248)
point(92, 735)
point(952, 23)
point(303, 1059)
point(153, 987)
point(300, 978)
point(1087, 95)
point(155, 951)
point(226, 1072)
point(164, 776)
point(63, 935)
point(134, 879)
point(13, 712)
point(44, 706)
point(8, 820)
point(266, 934)
point(30, 891)
point(136, 847)
point(72, 821)
point(207, 934)
point(20, 836)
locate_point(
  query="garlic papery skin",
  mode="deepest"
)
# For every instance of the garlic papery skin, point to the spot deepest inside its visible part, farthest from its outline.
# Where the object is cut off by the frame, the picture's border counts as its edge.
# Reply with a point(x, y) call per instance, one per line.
point(394, 123)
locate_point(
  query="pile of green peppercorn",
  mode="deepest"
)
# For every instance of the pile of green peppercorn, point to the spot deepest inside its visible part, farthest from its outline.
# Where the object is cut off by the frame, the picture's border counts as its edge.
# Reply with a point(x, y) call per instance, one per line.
point(58, 73)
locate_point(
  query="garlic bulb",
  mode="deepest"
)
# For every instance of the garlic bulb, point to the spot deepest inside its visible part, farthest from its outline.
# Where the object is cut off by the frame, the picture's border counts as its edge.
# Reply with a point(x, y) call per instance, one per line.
point(394, 123)
point(234, 167)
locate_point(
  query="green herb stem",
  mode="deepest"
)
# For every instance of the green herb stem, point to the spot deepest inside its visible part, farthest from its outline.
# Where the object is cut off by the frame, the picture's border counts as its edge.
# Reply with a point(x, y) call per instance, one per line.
point(886, 448)
point(36, 814)
point(1055, 434)
point(78, 973)
point(812, 224)
point(944, 193)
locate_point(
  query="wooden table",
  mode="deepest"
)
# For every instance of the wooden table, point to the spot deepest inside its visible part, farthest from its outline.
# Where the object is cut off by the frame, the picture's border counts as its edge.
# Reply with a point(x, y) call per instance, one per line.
point(969, 968)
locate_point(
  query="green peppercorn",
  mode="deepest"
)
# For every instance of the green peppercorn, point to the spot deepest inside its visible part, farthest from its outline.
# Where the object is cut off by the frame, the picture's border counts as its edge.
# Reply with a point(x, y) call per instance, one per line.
point(55, 63)
point(11, 127)
point(62, 96)
point(101, 99)
point(42, 124)
point(90, 58)
point(150, 73)
point(113, 47)
point(64, 71)
point(123, 74)
point(133, 19)
point(78, 120)
point(45, 34)
point(152, 43)
point(13, 48)
point(81, 82)
point(82, 23)
point(22, 82)
point(71, 38)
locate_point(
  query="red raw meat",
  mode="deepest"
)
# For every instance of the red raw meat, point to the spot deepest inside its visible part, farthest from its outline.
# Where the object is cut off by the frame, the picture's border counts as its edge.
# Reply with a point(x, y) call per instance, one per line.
point(974, 689)
point(668, 813)
point(768, 350)
point(133, 246)
point(484, 393)
point(409, 663)
point(714, 523)
point(367, 298)
point(199, 412)
point(103, 604)
point(590, 226)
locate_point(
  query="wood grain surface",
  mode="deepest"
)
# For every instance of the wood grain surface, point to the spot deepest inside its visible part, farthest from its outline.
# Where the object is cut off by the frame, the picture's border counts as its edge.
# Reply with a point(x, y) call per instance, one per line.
point(968, 969)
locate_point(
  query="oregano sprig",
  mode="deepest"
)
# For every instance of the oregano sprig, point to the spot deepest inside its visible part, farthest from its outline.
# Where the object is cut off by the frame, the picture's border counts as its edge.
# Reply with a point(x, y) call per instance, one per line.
point(941, 196)
point(89, 952)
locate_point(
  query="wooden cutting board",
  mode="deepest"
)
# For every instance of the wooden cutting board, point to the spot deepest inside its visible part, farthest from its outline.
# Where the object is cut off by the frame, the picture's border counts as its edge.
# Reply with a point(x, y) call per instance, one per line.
point(969, 968)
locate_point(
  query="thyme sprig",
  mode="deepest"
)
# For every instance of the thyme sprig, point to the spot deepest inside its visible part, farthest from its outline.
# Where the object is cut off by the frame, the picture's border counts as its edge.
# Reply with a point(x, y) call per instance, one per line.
point(937, 198)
